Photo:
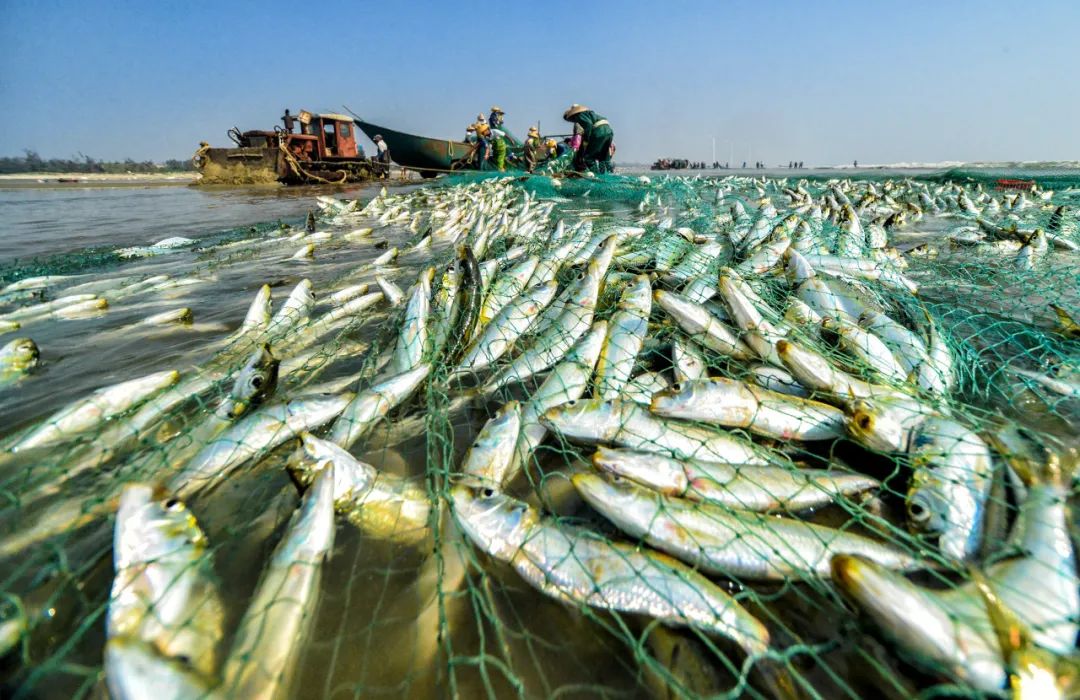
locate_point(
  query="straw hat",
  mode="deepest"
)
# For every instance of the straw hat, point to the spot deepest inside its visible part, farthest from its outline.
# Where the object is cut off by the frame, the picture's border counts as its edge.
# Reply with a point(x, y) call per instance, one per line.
point(533, 130)
point(497, 110)
point(481, 118)
point(574, 109)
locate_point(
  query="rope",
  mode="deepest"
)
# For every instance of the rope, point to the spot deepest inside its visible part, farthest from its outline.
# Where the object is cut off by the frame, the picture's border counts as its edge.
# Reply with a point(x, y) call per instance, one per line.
point(299, 170)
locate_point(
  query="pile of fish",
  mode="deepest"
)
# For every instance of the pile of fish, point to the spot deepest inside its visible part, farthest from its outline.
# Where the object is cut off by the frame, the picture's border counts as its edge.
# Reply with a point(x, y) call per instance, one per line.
point(739, 383)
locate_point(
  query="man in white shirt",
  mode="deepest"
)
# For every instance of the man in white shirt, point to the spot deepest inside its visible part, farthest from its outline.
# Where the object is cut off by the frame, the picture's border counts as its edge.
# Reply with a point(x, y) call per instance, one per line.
point(382, 156)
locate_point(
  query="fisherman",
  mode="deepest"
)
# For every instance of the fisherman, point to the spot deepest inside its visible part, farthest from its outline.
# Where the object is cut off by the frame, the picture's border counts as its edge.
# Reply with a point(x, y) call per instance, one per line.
point(597, 140)
point(499, 147)
point(483, 143)
point(470, 133)
point(382, 156)
point(535, 149)
point(495, 121)
point(289, 121)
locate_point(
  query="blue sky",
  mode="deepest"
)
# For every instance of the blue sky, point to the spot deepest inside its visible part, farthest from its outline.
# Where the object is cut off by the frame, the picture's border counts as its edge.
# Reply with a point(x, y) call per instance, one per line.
point(824, 82)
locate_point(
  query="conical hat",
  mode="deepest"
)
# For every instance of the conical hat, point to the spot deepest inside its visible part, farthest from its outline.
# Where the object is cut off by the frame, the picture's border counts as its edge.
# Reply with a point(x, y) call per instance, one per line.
point(574, 109)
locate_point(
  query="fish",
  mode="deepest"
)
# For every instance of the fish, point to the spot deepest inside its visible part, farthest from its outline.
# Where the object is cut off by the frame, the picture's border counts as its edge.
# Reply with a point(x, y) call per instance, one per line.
point(373, 404)
point(296, 309)
point(271, 635)
point(886, 422)
point(505, 288)
point(578, 567)
point(552, 344)
point(952, 630)
point(1065, 387)
point(626, 334)
point(748, 487)
point(950, 481)
point(513, 320)
point(19, 356)
point(348, 293)
point(628, 424)
point(777, 380)
point(182, 315)
point(735, 543)
point(100, 406)
point(164, 593)
point(869, 350)
point(688, 363)
point(490, 458)
point(254, 436)
point(391, 291)
point(734, 404)
point(413, 338)
point(134, 671)
point(305, 252)
point(254, 383)
point(907, 347)
point(701, 326)
point(567, 381)
point(379, 504)
point(47, 308)
point(465, 309)
point(1066, 326)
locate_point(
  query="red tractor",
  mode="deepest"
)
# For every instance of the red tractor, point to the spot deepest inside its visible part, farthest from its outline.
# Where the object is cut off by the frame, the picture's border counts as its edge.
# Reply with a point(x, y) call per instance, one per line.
point(322, 150)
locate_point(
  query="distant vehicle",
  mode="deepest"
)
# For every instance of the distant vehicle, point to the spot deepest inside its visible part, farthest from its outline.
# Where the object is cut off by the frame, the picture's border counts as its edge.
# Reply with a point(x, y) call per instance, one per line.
point(323, 151)
point(671, 164)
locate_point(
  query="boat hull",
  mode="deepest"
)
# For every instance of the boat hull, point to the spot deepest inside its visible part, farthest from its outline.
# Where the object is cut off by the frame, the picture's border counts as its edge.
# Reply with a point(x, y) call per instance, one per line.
point(427, 156)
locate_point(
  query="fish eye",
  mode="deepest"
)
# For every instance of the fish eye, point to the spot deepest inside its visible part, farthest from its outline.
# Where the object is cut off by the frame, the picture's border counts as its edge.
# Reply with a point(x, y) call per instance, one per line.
point(865, 421)
point(256, 381)
point(918, 512)
point(487, 492)
point(172, 504)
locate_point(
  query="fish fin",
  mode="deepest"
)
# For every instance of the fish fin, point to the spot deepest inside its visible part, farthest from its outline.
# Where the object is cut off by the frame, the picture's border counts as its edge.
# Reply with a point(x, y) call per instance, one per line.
point(1066, 325)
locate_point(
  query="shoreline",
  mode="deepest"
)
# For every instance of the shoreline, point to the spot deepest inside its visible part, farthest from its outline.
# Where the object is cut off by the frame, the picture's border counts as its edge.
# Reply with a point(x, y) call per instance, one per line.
point(53, 180)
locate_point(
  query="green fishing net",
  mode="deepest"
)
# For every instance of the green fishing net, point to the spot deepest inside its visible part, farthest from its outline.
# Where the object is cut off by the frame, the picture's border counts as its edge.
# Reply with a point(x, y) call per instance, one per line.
point(408, 610)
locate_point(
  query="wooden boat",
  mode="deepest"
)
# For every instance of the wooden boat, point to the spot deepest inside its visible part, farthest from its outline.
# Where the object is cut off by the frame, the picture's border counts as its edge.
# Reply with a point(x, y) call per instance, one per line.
point(427, 156)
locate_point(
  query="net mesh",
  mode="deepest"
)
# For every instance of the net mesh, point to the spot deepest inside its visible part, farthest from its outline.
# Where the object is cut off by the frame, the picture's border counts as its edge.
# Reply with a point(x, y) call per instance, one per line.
point(481, 544)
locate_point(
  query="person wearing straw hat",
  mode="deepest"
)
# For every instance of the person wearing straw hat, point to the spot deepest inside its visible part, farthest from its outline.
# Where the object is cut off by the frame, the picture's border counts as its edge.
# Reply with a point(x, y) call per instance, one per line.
point(496, 118)
point(535, 150)
point(597, 141)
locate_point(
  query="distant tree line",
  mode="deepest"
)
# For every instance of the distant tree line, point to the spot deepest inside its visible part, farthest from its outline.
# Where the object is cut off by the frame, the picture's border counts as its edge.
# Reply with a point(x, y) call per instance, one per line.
point(31, 162)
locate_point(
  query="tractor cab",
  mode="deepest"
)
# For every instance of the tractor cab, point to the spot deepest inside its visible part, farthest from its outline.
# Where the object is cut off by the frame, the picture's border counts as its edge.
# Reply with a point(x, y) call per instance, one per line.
point(334, 135)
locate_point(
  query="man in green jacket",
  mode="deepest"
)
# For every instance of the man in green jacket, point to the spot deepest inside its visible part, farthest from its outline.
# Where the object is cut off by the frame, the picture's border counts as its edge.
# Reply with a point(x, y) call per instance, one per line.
point(596, 143)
